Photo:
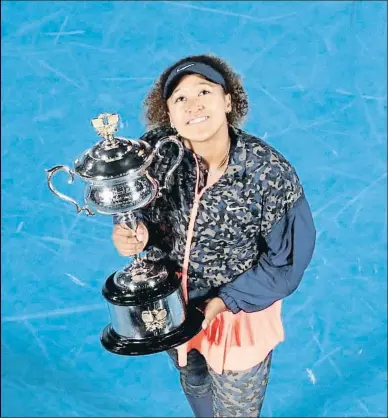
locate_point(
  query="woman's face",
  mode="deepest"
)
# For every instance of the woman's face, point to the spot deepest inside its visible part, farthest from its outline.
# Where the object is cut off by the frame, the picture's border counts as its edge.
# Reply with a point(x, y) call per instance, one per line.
point(198, 107)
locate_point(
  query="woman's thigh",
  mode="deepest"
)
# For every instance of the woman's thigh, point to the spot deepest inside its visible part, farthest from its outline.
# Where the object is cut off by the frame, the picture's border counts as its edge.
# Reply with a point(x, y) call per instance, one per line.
point(240, 394)
point(194, 377)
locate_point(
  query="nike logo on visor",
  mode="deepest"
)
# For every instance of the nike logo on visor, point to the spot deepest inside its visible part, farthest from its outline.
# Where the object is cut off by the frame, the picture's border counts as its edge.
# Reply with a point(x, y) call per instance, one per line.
point(183, 68)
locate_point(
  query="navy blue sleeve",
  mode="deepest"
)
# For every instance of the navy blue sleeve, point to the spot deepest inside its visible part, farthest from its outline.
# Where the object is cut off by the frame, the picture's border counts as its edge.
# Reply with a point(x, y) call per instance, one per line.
point(290, 246)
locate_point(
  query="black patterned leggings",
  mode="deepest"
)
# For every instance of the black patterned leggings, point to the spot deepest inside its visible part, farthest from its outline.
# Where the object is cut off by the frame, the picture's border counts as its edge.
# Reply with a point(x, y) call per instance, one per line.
point(230, 394)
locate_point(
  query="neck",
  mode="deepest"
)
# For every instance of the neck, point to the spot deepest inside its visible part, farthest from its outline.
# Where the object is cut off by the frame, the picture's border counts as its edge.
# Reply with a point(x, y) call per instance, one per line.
point(213, 149)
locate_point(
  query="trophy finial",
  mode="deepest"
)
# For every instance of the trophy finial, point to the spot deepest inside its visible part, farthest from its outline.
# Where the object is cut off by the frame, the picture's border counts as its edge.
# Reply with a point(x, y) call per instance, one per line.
point(106, 124)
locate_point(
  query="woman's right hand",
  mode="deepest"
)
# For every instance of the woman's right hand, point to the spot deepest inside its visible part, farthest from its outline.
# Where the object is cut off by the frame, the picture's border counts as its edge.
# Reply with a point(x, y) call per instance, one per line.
point(129, 242)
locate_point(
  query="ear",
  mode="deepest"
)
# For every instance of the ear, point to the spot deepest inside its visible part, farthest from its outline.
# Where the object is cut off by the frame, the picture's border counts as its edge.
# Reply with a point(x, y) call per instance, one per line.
point(228, 103)
point(171, 122)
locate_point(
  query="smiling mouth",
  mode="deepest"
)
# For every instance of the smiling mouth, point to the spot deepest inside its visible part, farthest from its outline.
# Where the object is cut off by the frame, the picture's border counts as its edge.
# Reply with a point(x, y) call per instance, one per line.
point(198, 120)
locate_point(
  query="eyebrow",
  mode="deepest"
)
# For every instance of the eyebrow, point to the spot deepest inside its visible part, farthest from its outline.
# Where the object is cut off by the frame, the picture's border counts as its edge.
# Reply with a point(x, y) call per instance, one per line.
point(199, 84)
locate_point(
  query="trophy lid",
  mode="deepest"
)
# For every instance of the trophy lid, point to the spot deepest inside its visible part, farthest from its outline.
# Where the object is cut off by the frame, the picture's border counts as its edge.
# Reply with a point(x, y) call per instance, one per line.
point(114, 156)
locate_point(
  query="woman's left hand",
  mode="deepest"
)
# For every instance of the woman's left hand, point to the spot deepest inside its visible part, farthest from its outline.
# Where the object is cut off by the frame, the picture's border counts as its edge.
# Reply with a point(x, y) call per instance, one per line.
point(212, 309)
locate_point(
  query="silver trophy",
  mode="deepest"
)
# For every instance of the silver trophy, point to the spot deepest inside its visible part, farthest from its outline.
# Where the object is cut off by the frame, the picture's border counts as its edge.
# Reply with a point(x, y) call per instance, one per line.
point(147, 309)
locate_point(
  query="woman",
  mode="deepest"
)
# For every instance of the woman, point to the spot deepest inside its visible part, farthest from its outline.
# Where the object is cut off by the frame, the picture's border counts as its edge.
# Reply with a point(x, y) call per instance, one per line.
point(238, 225)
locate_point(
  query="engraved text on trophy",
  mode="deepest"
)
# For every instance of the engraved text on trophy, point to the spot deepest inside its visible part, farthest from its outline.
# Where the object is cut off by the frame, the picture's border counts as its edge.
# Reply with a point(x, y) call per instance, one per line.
point(122, 195)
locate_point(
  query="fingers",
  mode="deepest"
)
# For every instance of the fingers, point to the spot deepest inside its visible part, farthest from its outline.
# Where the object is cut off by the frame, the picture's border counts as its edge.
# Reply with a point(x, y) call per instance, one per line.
point(141, 231)
point(126, 231)
point(206, 322)
point(212, 309)
point(209, 315)
point(130, 249)
point(128, 245)
point(123, 231)
point(128, 242)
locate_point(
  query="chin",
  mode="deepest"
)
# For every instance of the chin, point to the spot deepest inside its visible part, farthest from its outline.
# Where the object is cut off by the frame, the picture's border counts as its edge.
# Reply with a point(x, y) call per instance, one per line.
point(198, 138)
point(198, 134)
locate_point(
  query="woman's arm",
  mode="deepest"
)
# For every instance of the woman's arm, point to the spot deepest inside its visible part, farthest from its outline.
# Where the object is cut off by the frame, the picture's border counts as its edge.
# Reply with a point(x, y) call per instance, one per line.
point(290, 245)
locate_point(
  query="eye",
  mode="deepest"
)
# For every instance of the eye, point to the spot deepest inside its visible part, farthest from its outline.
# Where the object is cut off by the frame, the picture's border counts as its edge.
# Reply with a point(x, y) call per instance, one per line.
point(178, 99)
point(204, 91)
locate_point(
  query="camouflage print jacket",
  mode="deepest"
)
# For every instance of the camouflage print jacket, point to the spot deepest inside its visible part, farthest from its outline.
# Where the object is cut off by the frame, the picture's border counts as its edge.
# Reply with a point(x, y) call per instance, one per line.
point(254, 235)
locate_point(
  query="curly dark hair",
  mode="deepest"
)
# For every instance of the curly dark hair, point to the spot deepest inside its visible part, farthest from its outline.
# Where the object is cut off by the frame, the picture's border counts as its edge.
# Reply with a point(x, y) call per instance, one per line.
point(155, 107)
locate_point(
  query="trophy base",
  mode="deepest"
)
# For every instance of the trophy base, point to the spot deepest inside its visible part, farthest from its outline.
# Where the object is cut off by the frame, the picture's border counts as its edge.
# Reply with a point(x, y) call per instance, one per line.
point(119, 344)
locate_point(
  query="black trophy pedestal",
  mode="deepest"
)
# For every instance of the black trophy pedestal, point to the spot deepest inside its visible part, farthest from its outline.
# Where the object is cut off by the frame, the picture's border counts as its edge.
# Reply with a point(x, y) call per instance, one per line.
point(148, 319)
point(119, 344)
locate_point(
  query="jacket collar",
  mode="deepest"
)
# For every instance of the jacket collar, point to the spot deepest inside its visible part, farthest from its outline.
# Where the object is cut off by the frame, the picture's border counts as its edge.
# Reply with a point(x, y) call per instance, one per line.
point(238, 154)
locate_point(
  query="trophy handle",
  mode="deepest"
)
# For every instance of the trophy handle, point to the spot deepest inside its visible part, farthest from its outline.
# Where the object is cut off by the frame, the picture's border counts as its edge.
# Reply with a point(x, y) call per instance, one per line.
point(177, 162)
point(50, 173)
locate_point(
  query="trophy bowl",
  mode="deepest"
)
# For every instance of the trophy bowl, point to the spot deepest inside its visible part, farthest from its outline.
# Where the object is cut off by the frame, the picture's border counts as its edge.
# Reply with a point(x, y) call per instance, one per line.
point(148, 312)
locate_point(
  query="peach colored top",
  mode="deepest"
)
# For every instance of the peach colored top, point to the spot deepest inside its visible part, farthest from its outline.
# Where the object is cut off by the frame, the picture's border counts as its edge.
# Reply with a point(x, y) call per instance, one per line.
point(231, 341)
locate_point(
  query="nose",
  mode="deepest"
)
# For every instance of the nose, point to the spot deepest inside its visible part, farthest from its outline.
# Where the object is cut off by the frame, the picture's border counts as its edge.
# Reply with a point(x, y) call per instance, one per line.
point(193, 105)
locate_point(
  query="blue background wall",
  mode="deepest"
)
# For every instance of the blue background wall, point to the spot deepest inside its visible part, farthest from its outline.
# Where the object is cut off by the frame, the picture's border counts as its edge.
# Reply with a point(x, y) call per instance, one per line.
point(316, 76)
